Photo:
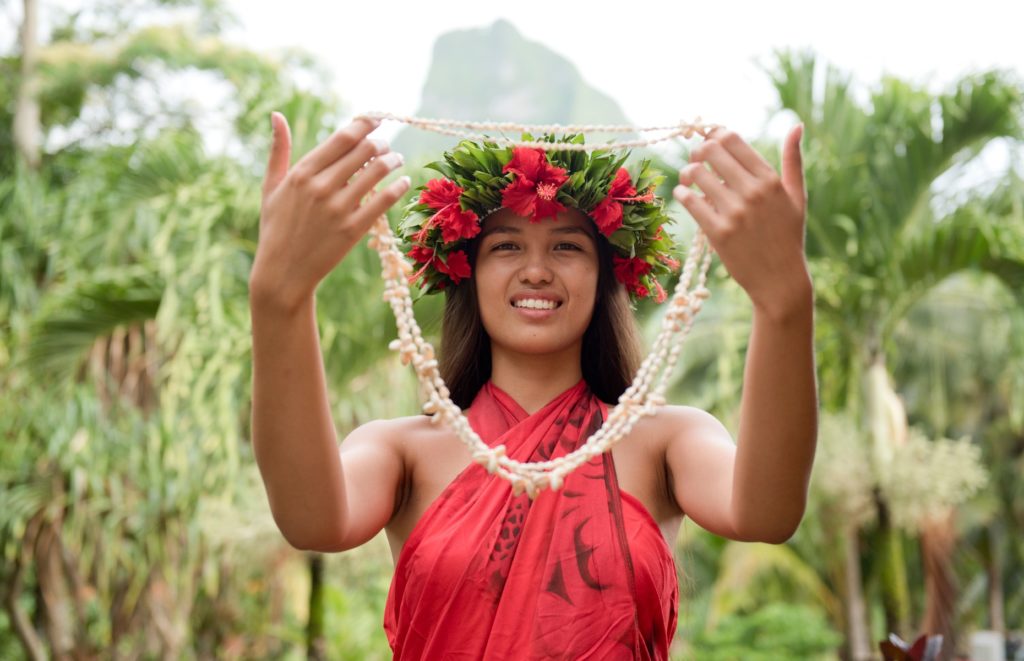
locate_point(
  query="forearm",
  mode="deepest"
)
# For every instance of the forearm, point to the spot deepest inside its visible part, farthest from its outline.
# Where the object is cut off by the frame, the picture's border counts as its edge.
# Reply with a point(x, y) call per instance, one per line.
point(778, 420)
point(294, 439)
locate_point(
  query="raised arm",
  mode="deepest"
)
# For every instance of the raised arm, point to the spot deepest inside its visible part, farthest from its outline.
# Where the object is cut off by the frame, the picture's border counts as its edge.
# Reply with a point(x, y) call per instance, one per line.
point(755, 220)
point(311, 217)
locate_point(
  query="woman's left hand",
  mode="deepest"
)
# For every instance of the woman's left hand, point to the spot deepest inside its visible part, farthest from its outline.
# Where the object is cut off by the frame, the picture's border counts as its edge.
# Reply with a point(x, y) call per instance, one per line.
point(754, 219)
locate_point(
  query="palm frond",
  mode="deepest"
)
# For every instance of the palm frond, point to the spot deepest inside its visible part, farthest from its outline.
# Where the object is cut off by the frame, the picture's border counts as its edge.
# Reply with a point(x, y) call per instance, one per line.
point(75, 317)
point(745, 570)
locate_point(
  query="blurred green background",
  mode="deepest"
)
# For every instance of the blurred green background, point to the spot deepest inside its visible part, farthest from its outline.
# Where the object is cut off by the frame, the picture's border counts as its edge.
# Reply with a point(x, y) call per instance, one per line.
point(133, 523)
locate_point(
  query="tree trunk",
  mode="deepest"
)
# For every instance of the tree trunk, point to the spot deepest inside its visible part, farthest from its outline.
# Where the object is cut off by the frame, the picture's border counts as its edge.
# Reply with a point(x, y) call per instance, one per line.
point(53, 585)
point(27, 129)
point(887, 423)
point(856, 611)
point(994, 570)
point(938, 539)
point(316, 645)
point(895, 590)
point(34, 648)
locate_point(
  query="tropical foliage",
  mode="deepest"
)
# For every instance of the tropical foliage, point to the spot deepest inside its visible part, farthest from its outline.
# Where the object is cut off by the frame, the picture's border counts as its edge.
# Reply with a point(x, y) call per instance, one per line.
point(132, 518)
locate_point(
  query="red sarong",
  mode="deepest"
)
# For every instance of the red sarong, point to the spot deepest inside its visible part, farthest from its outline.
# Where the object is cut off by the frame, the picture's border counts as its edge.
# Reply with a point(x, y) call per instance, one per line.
point(579, 573)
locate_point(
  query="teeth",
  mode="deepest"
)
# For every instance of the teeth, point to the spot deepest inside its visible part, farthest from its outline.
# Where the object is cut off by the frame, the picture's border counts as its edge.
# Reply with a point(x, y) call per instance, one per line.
point(535, 304)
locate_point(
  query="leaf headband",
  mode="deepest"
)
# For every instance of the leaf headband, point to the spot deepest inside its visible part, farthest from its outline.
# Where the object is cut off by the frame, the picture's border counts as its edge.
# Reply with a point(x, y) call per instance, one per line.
point(534, 183)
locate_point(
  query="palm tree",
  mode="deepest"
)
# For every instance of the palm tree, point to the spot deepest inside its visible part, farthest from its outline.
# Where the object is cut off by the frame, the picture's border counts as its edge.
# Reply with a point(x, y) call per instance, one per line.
point(124, 340)
point(878, 244)
point(964, 350)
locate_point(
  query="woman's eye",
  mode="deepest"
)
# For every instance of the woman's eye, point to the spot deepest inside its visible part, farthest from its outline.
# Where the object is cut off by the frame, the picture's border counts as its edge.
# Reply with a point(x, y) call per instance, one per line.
point(506, 245)
point(565, 245)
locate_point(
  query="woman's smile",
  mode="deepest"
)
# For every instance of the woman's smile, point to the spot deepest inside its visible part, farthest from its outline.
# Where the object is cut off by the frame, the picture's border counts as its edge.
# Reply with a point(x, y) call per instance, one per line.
point(536, 305)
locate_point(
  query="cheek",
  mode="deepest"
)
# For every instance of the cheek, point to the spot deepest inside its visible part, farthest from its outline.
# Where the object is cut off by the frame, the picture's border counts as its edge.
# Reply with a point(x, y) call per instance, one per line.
point(489, 293)
point(586, 285)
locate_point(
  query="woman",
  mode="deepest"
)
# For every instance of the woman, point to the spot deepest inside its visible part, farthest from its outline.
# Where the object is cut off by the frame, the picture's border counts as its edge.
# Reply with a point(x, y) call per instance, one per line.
point(585, 571)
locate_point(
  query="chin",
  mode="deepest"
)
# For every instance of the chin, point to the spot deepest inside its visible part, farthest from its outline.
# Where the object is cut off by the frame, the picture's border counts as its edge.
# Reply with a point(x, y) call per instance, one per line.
point(538, 344)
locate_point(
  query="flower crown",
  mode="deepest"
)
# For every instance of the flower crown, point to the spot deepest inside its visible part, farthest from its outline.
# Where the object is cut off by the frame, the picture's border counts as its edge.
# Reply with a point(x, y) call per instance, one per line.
point(536, 184)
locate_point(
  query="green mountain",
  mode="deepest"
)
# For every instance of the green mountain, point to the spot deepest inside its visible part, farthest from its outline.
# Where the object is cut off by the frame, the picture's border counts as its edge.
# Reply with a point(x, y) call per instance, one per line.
point(494, 73)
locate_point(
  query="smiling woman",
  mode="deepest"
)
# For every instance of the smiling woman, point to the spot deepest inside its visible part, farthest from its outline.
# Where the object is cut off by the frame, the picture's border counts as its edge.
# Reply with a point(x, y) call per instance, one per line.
point(537, 251)
point(610, 351)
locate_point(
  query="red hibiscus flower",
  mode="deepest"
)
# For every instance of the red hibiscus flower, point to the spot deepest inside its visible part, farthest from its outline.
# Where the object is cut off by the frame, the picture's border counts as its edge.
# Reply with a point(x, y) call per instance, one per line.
point(457, 224)
point(440, 193)
point(629, 271)
point(607, 214)
point(457, 266)
point(532, 193)
point(420, 254)
point(443, 195)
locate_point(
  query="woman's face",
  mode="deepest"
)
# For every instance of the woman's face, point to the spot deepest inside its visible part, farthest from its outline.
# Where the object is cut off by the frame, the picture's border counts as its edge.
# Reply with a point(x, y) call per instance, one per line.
point(536, 283)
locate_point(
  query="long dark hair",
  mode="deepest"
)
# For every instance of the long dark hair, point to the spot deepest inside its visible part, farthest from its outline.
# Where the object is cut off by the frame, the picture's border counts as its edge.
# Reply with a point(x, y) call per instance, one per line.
point(611, 344)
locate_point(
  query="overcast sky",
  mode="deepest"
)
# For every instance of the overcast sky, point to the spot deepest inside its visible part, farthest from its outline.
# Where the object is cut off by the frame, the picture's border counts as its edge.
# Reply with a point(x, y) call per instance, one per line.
point(662, 60)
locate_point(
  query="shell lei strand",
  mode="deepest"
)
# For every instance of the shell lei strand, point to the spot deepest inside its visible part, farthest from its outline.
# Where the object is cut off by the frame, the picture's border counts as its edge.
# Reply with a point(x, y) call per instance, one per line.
point(643, 397)
point(445, 126)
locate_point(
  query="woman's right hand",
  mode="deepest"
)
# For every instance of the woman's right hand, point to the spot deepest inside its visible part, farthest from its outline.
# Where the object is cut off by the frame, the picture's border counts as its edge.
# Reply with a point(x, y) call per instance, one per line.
point(312, 215)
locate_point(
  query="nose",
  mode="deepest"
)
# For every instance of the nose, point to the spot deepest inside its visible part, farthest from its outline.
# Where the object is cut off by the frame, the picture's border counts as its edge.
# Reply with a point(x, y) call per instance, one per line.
point(535, 270)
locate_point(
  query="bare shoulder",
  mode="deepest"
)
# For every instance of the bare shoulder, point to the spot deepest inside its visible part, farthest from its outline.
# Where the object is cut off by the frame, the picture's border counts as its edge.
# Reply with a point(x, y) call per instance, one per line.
point(412, 442)
point(692, 438)
point(430, 455)
point(700, 457)
point(394, 433)
point(690, 425)
point(379, 470)
point(683, 428)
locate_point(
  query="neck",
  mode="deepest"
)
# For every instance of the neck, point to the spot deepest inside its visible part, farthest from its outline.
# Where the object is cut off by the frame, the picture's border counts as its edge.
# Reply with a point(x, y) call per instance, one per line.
point(535, 380)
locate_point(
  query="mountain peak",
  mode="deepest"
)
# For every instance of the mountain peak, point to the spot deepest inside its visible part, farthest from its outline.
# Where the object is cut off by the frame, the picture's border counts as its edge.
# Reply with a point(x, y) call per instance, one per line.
point(496, 74)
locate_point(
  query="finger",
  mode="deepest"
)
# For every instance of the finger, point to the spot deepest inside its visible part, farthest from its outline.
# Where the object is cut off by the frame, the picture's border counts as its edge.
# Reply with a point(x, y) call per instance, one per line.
point(381, 201)
point(367, 178)
point(280, 152)
point(336, 146)
point(723, 199)
point(793, 166)
point(337, 174)
point(699, 208)
point(747, 156)
point(735, 175)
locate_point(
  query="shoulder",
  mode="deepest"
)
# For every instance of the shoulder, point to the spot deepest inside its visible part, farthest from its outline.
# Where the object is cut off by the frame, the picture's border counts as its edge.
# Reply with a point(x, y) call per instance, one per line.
point(675, 425)
point(389, 430)
point(700, 459)
point(395, 434)
point(680, 427)
point(694, 444)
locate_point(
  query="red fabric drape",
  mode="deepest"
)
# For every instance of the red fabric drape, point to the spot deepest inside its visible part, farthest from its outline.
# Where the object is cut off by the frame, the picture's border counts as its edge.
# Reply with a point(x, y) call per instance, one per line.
point(579, 573)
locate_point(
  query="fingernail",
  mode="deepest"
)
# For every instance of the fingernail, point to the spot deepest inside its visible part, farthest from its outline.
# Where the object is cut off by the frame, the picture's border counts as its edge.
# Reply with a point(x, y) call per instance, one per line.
point(380, 146)
point(404, 182)
point(393, 160)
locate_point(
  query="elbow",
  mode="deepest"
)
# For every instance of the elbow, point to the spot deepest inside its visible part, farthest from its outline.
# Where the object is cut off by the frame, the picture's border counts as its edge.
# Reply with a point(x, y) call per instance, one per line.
point(319, 541)
point(775, 535)
point(779, 536)
point(315, 543)
point(775, 531)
